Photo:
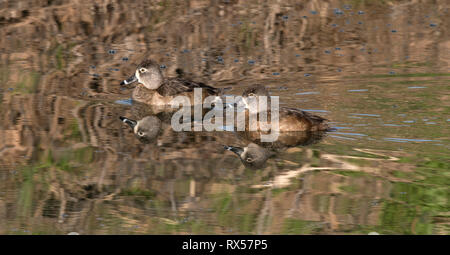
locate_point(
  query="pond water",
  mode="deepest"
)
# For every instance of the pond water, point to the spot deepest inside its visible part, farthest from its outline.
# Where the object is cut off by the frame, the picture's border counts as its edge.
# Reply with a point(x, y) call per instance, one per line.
point(377, 70)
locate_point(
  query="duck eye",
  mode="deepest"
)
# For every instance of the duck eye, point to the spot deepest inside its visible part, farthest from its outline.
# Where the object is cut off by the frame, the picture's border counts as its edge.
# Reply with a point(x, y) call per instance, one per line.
point(142, 70)
point(249, 160)
point(140, 133)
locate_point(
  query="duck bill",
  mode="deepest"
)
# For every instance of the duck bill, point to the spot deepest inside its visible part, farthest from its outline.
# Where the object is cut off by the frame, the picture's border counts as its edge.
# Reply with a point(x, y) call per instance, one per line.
point(237, 150)
point(129, 122)
point(129, 80)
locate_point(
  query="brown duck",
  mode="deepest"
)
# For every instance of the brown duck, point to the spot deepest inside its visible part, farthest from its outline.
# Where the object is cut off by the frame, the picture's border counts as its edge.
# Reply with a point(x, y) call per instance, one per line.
point(290, 119)
point(155, 89)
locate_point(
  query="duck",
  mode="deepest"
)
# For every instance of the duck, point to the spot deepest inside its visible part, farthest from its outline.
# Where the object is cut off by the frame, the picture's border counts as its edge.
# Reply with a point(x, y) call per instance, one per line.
point(290, 119)
point(155, 89)
point(256, 153)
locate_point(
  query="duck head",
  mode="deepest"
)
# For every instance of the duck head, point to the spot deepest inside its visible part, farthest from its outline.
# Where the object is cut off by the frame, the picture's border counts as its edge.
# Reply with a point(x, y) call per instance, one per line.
point(254, 93)
point(147, 73)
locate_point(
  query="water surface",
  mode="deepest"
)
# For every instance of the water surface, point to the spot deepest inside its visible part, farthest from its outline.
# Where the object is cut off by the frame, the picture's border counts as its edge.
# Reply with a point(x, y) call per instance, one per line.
point(378, 70)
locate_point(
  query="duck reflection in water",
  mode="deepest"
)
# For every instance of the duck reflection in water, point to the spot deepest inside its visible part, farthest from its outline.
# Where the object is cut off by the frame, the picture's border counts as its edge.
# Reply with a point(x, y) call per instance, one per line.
point(154, 126)
point(156, 129)
point(146, 130)
point(256, 153)
point(252, 156)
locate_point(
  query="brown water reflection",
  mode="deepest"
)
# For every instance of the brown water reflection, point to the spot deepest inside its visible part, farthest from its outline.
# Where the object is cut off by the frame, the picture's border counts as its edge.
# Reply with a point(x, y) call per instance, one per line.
point(378, 70)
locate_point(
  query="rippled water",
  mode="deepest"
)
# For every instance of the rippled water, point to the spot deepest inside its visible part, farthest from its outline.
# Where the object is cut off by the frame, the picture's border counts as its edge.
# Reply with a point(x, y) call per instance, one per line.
point(378, 70)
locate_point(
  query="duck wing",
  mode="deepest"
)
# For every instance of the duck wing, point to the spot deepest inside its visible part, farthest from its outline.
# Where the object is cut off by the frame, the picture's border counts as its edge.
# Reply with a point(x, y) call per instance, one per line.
point(175, 86)
point(314, 119)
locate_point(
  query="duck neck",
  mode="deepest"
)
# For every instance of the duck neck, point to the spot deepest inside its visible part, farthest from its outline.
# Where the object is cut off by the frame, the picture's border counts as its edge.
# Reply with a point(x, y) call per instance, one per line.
point(154, 83)
point(257, 108)
point(153, 80)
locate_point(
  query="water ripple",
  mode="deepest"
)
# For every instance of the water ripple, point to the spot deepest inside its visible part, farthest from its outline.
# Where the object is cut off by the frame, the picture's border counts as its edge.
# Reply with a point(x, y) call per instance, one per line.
point(365, 114)
point(341, 137)
point(353, 134)
point(357, 90)
point(307, 93)
point(404, 140)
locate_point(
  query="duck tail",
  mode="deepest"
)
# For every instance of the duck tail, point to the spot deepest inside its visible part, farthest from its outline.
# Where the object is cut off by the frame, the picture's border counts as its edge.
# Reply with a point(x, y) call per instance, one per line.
point(180, 73)
point(324, 126)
